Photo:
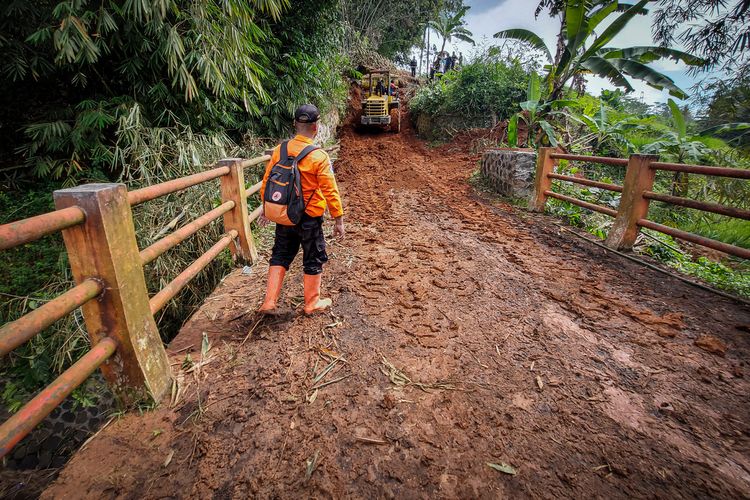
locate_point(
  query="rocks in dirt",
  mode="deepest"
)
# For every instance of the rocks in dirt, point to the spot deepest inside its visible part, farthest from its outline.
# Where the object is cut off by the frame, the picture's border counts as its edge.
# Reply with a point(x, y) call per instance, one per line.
point(667, 325)
point(389, 401)
point(510, 172)
point(711, 344)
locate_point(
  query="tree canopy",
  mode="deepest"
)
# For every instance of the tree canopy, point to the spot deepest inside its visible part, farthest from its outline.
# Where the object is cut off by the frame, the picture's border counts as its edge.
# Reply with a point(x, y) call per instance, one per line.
point(716, 30)
point(74, 70)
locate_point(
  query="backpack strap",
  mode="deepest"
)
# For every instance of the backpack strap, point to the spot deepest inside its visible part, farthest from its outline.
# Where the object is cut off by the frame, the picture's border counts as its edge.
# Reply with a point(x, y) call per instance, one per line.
point(308, 149)
point(284, 152)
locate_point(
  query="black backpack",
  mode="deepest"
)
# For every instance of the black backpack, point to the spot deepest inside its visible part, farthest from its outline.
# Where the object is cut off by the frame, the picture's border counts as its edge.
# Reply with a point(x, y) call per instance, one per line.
point(282, 200)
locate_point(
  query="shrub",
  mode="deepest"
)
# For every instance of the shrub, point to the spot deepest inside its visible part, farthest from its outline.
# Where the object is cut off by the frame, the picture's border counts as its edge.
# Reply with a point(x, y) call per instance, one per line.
point(483, 87)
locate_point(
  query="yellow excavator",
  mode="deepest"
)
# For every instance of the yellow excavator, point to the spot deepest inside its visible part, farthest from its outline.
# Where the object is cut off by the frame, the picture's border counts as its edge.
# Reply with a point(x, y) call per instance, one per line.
point(381, 106)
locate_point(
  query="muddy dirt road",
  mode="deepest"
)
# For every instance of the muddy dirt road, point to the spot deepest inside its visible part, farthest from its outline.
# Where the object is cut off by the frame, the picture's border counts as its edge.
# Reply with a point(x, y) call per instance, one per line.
point(464, 332)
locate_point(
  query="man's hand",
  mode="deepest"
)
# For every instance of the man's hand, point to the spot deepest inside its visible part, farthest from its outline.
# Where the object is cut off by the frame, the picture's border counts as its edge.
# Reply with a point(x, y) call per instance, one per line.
point(338, 228)
point(262, 221)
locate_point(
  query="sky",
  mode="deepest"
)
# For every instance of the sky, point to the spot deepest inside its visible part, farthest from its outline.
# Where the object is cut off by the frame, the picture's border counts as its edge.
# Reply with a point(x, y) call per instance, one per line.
point(487, 17)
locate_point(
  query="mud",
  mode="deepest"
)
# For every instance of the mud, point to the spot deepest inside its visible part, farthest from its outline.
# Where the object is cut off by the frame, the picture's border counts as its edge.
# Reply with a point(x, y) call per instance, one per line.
point(464, 332)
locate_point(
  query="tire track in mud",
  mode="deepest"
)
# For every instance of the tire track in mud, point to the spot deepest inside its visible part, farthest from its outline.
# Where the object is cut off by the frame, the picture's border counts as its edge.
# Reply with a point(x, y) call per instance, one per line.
point(577, 369)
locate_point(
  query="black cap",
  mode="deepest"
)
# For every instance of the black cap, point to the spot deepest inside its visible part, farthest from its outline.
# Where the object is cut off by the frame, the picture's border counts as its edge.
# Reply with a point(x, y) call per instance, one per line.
point(307, 113)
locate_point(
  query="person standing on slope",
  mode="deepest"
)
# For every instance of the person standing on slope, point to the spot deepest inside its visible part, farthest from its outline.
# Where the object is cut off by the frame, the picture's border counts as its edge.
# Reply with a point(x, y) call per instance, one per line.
point(318, 191)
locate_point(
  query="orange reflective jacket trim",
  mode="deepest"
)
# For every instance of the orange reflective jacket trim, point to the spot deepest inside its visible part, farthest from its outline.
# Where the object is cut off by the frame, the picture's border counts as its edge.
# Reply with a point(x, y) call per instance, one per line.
point(318, 182)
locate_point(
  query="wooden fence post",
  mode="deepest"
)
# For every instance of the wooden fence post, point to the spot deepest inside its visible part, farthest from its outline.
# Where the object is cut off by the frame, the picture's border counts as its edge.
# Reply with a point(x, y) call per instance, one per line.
point(639, 178)
point(104, 248)
point(242, 247)
point(544, 165)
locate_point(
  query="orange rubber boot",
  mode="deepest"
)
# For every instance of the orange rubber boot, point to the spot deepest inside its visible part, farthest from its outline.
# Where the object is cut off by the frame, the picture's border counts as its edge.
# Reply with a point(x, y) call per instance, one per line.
point(273, 290)
point(313, 302)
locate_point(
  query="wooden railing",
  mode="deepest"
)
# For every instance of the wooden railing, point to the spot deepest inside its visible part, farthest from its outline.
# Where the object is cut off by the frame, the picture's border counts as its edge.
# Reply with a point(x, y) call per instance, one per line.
point(97, 226)
point(637, 192)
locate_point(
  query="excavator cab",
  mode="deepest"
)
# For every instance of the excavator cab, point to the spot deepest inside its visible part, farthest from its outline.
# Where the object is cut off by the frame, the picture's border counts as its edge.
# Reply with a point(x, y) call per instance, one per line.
point(381, 106)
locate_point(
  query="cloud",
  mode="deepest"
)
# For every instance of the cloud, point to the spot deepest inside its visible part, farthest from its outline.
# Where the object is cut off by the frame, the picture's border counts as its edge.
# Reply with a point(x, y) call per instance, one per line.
point(482, 6)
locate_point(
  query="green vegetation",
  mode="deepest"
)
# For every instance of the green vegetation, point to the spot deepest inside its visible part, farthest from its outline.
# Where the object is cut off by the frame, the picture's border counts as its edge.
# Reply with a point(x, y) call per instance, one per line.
point(539, 132)
point(486, 86)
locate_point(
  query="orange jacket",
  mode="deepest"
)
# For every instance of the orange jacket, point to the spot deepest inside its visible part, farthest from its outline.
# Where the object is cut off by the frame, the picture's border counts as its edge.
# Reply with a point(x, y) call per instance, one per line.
point(317, 178)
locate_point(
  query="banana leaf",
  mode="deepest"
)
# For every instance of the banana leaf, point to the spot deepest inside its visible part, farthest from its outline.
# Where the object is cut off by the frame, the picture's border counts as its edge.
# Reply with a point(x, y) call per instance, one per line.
point(652, 77)
point(549, 132)
point(614, 29)
point(525, 36)
point(679, 119)
point(604, 68)
point(513, 131)
point(727, 127)
point(601, 14)
point(647, 54)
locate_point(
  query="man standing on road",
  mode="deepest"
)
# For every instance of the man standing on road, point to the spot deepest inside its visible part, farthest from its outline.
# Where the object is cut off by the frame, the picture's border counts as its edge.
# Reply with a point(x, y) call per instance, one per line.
point(319, 190)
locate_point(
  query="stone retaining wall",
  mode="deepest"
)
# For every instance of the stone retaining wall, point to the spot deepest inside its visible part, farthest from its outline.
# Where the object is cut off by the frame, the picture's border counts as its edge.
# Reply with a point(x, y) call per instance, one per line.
point(510, 172)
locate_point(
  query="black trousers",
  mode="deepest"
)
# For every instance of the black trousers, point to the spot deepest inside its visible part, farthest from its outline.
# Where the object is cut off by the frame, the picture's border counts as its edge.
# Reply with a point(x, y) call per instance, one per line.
point(309, 234)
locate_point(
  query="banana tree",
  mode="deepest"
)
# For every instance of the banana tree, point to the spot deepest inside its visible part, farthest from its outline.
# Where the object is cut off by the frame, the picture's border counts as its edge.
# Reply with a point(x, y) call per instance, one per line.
point(585, 52)
point(533, 113)
point(600, 131)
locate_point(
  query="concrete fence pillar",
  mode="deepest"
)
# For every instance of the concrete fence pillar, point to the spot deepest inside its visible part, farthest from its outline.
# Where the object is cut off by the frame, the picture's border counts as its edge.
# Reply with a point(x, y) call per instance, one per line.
point(545, 164)
point(639, 178)
point(242, 247)
point(104, 248)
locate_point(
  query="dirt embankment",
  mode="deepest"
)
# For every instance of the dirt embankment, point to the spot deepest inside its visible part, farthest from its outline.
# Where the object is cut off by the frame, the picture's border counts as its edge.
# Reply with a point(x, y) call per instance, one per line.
point(464, 333)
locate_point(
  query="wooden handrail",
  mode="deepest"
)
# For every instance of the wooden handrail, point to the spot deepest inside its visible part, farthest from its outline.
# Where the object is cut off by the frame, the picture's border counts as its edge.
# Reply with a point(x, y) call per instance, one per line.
point(150, 253)
point(32, 413)
point(158, 190)
point(587, 182)
point(605, 160)
point(581, 203)
point(637, 191)
point(97, 225)
point(23, 231)
point(254, 189)
point(18, 332)
point(737, 173)
point(694, 238)
point(255, 161)
point(159, 300)
point(705, 206)
point(256, 213)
